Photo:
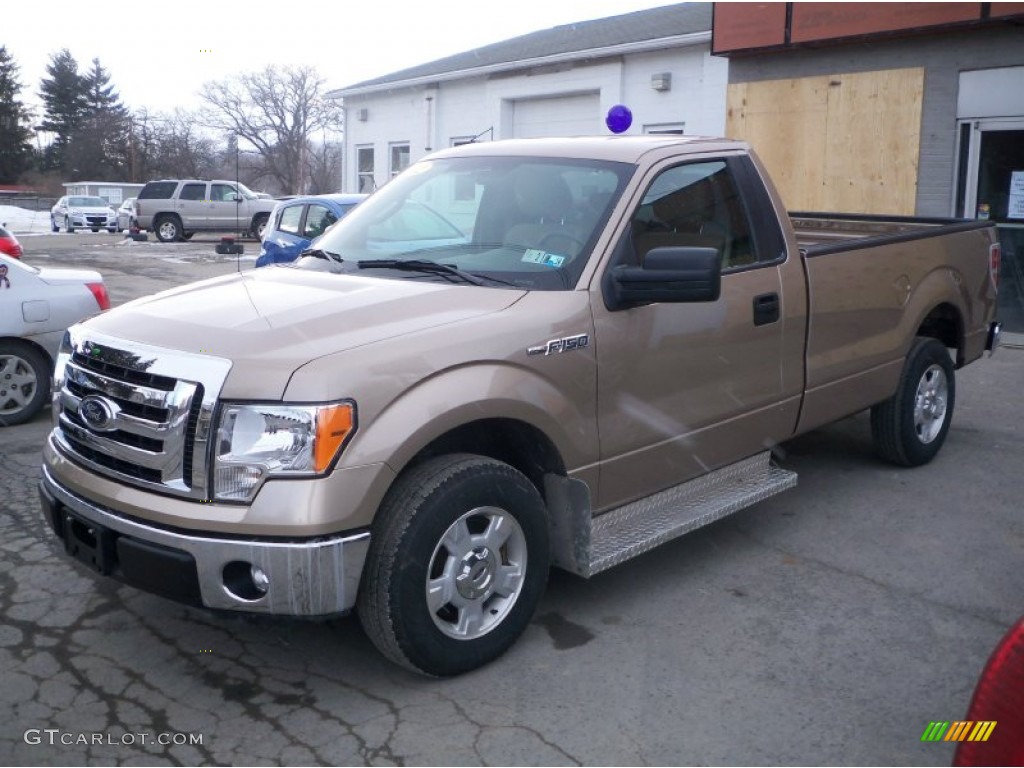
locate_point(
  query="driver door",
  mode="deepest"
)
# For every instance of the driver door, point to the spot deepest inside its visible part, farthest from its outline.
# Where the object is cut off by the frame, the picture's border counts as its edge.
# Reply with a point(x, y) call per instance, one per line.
point(685, 388)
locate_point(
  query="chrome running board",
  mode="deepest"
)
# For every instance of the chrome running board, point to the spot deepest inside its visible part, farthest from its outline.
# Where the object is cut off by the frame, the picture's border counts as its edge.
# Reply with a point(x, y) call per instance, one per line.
point(588, 546)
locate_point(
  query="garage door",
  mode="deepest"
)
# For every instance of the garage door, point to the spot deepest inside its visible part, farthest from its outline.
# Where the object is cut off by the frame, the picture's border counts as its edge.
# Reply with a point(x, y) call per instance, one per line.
point(577, 115)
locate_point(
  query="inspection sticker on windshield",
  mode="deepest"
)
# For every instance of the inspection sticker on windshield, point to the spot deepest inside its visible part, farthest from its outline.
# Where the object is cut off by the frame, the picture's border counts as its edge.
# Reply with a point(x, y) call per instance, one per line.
point(536, 256)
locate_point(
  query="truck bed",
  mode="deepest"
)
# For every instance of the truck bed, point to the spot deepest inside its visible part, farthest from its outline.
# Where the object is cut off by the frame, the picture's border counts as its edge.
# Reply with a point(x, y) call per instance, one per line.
point(818, 233)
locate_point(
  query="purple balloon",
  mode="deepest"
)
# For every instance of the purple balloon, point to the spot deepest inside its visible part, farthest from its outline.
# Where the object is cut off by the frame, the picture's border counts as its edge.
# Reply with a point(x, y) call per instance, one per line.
point(619, 118)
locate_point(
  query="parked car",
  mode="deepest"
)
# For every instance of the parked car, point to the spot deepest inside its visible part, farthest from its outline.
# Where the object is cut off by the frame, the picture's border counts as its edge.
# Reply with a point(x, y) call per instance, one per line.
point(81, 212)
point(418, 429)
point(126, 215)
point(9, 243)
point(295, 223)
point(36, 307)
point(997, 707)
point(173, 209)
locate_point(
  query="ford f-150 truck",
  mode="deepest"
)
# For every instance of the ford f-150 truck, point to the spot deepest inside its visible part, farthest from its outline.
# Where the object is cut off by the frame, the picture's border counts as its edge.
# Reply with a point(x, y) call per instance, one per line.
point(516, 355)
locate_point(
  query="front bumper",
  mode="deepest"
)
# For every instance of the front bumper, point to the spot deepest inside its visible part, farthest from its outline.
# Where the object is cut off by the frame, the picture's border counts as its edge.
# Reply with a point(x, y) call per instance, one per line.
point(90, 220)
point(314, 577)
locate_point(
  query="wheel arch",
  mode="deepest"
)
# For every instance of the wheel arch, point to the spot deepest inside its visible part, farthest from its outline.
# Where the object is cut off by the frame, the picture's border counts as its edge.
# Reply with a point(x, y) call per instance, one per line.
point(945, 323)
point(27, 342)
point(521, 445)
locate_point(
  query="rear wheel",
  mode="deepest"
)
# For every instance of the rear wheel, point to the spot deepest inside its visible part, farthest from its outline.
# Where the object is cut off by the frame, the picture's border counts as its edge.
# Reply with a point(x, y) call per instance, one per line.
point(910, 427)
point(167, 228)
point(24, 382)
point(457, 564)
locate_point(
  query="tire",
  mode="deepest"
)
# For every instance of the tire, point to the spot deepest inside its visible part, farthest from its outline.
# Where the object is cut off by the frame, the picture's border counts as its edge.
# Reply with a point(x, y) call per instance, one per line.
point(67, 225)
point(457, 564)
point(112, 230)
point(53, 224)
point(187, 235)
point(167, 229)
point(259, 226)
point(910, 427)
point(24, 382)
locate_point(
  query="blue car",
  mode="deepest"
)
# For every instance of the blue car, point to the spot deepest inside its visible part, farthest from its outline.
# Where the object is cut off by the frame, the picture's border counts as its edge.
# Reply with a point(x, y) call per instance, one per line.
point(296, 222)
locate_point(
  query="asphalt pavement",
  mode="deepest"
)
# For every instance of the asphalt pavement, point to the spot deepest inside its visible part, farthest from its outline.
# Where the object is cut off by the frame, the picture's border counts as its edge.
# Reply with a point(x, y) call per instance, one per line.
point(826, 626)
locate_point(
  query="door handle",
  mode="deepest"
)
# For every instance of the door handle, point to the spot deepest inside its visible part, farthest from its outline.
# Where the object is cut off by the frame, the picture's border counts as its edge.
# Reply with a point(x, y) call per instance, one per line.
point(766, 308)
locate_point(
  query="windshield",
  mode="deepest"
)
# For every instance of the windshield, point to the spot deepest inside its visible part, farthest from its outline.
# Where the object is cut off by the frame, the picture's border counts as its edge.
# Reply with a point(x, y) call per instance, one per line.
point(528, 222)
point(87, 202)
point(247, 193)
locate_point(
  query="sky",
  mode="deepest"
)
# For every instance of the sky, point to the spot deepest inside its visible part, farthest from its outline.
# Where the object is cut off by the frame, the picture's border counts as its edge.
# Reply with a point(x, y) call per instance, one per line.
point(159, 55)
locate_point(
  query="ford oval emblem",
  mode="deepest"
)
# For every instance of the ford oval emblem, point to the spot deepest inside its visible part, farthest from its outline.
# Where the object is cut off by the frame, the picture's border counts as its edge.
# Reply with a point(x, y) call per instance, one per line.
point(98, 413)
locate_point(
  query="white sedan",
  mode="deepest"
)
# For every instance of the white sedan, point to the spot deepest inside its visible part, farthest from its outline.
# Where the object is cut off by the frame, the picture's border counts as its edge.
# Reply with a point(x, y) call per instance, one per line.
point(36, 307)
point(82, 212)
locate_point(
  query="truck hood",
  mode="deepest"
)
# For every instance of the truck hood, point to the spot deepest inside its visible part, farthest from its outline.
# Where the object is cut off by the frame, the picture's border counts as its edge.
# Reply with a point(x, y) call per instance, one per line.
point(269, 322)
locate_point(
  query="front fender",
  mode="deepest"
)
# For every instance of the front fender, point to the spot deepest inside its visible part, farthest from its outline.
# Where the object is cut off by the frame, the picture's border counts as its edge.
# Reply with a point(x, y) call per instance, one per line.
point(459, 396)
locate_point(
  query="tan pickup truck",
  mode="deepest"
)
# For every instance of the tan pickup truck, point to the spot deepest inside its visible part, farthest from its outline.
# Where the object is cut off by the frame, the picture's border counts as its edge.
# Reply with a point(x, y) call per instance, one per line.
point(516, 355)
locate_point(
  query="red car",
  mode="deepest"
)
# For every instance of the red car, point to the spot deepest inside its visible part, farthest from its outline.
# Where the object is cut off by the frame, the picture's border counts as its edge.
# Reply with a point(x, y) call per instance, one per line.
point(9, 243)
point(999, 699)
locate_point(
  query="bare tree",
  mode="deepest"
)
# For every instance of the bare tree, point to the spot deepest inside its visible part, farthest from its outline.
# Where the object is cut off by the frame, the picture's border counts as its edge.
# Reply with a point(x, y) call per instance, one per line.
point(276, 111)
point(323, 164)
point(170, 145)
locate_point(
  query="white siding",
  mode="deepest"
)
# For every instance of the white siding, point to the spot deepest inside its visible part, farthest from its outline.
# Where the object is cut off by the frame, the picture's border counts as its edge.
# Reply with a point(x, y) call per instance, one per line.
point(568, 99)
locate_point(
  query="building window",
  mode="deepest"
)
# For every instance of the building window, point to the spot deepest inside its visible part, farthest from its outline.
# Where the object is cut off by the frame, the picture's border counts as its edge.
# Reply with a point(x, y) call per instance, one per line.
point(672, 129)
point(399, 158)
point(364, 164)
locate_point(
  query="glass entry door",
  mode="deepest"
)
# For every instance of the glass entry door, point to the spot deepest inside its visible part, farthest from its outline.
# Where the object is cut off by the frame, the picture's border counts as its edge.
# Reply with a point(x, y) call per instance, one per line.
point(992, 187)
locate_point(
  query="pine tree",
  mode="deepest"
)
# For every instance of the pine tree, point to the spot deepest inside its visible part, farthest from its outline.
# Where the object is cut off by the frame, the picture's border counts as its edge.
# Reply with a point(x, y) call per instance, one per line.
point(99, 146)
point(15, 138)
point(63, 95)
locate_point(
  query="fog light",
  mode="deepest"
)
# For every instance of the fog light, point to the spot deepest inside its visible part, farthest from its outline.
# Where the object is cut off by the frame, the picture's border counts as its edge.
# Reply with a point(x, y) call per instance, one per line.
point(245, 581)
point(260, 580)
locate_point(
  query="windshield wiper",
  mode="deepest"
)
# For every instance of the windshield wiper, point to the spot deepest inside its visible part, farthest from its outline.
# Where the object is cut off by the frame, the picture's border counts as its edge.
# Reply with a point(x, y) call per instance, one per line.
point(319, 253)
point(423, 265)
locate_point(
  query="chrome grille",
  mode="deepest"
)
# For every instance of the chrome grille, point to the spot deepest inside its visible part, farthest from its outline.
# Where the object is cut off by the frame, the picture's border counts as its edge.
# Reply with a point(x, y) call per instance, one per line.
point(156, 405)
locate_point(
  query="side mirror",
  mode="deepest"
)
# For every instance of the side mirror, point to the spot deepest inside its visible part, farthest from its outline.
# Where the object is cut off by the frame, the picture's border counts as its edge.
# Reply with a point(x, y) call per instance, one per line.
point(670, 275)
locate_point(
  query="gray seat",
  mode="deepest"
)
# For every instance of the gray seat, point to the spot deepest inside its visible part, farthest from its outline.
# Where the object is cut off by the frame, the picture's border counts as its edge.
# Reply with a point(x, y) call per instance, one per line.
point(545, 204)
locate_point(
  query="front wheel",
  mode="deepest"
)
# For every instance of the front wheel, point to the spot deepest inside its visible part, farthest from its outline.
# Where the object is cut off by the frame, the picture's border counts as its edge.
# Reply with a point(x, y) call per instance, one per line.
point(910, 427)
point(24, 382)
point(457, 564)
point(53, 225)
point(67, 225)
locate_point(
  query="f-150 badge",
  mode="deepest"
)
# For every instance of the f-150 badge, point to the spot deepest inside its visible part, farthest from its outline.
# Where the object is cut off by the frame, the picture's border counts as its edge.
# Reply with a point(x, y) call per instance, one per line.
point(560, 345)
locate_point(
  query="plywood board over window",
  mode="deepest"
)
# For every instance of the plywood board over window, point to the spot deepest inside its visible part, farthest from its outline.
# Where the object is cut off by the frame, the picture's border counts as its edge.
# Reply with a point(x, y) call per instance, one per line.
point(848, 143)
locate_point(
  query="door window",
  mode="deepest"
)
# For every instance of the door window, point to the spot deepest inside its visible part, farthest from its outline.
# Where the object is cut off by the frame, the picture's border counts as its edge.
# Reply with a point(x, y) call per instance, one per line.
point(318, 218)
point(290, 218)
point(695, 205)
point(223, 193)
point(193, 192)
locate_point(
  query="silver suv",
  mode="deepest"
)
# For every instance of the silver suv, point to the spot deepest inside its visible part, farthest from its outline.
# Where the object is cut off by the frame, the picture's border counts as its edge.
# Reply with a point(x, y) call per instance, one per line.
point(174, 209)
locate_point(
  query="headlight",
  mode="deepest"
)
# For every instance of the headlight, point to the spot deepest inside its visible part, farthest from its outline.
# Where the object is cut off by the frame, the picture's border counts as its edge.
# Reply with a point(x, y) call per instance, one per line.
point(259, 441)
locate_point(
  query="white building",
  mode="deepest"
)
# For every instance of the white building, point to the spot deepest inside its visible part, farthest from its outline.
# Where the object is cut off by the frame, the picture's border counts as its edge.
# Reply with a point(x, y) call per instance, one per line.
point(556, 82)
